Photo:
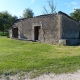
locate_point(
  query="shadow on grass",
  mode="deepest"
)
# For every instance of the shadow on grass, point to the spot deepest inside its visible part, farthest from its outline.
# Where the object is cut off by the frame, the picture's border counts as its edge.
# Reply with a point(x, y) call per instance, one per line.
point(4, 34)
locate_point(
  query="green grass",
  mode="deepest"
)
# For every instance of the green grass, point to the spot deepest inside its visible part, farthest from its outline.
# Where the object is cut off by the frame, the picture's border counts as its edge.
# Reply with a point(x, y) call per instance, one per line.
point(4, 33)
point(39, 58)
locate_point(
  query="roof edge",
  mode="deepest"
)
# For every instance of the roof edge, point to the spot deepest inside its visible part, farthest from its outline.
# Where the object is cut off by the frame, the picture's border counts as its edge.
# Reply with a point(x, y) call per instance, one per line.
point(60, 12)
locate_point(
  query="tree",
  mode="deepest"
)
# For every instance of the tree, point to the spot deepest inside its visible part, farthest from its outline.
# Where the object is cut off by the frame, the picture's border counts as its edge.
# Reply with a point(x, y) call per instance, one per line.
point(28, 13)
point(14, 18)
point(1, 22)
point(1, 25)
point(76, 14)
point(6, 19)
point(52, 8)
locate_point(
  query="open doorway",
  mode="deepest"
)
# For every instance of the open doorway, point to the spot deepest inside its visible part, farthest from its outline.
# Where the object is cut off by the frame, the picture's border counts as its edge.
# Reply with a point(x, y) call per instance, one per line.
point(79, 34)
point(15, 32)
point(36, 32)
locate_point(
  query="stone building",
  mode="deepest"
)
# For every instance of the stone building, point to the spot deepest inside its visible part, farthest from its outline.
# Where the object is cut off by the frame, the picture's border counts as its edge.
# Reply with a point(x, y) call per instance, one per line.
point(55, 29)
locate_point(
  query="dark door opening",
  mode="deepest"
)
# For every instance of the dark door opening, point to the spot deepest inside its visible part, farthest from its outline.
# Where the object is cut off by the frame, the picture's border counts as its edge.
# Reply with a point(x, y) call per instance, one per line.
point(79, 34)
point(36, 33)
point(15, 32)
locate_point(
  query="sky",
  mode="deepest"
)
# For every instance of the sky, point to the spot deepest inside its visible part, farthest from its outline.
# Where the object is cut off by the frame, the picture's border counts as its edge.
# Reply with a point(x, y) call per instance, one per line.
point(16, 7)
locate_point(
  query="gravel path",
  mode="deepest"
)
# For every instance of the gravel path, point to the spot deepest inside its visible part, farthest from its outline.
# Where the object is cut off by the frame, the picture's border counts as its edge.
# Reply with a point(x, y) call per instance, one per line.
point(70, 76)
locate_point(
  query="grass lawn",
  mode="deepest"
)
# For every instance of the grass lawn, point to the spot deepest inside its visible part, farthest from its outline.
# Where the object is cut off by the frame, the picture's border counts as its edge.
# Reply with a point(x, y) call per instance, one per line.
point(4, 33)
point(17, 56)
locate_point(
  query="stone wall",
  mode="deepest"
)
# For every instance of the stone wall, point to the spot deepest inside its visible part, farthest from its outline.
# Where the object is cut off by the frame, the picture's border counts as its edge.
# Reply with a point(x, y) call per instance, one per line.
point(56, 29)
point(69, 41)
point(49, 28)
point(69, 28)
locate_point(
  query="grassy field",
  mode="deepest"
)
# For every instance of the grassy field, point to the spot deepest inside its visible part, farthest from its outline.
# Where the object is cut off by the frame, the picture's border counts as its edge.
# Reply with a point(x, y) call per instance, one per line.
point(17, 56)
point(4, 33)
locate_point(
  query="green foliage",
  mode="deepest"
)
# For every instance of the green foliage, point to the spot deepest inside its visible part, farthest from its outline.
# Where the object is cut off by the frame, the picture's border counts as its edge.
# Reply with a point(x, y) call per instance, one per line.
point(76, 14)
point(1, 22)
point(6, 19)
point(28, 13)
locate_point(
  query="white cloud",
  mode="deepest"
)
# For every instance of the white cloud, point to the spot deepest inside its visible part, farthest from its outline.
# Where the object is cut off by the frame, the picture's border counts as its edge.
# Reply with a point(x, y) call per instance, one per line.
point(32, 1)
point(20, 12)
point(71, 6)
point(74, 3)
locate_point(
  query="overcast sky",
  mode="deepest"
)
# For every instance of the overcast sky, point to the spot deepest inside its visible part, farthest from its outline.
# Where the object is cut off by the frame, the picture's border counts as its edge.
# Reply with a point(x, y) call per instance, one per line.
point(16, 7)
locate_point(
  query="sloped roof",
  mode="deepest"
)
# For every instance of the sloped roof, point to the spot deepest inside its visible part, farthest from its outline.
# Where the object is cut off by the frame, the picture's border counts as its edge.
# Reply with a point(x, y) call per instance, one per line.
point(60, 12)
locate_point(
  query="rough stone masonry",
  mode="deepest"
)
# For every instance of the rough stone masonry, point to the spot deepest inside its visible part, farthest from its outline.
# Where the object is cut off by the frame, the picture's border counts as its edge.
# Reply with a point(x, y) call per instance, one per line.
point(56, 28)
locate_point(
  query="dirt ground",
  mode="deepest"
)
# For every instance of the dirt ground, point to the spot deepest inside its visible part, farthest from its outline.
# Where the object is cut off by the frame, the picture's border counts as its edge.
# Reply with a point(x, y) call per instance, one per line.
point(69, 76)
